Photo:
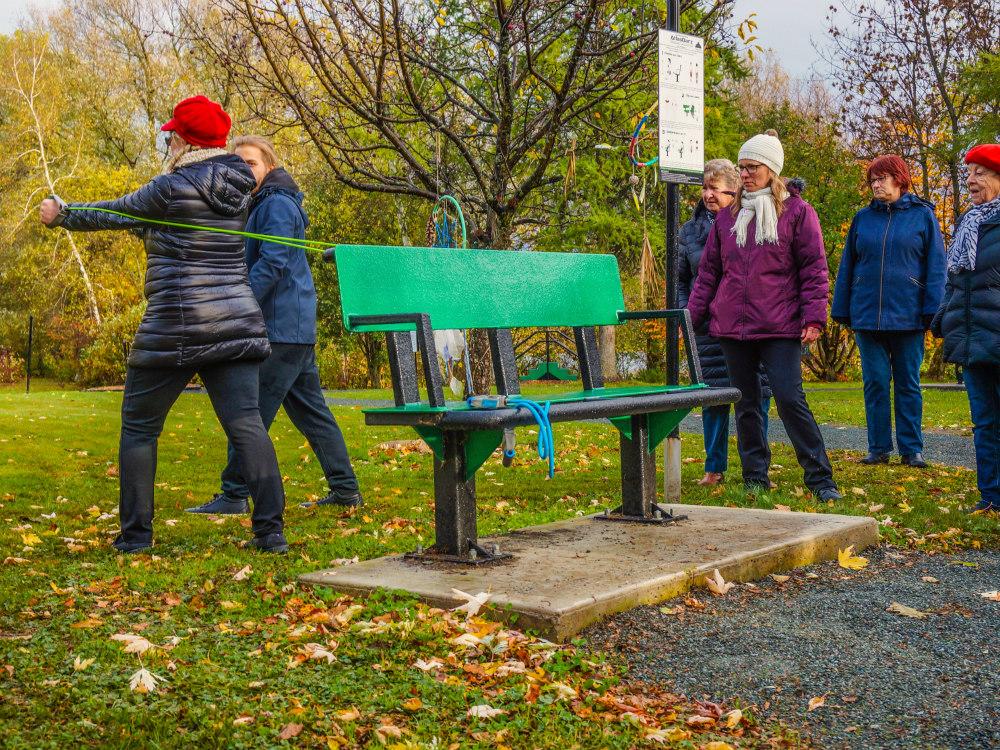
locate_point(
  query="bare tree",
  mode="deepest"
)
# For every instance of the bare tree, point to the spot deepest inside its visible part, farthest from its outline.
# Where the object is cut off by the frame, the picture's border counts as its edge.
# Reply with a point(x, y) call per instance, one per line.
point(897, 64)
point(476, 99)
point(28, 74)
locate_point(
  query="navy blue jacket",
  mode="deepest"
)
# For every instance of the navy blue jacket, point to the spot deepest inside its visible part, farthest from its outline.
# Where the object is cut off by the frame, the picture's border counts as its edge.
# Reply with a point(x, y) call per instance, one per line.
point(893, 269)
point(969, 317)
point(279, 274)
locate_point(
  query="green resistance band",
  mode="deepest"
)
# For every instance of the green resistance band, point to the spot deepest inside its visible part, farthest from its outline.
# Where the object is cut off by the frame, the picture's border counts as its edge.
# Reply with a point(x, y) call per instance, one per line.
point(304, 244)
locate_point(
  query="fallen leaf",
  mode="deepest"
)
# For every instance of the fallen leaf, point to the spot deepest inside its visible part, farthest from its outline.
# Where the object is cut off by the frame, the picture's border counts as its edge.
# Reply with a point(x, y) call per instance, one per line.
point(815, 703)
point(241, 575)
point(929, 579)
point(733, 718)
point(473, 603)
point(780, 579)
point(413, 704)
point(352, 715)
point(14, 560)
point(812, 575)
point(90, 622)
point(875, 508)
point(907, 611)
point(134, 644)
point(289, 730)
point(699, 721)
point(717, 585)
point(172, 600)
point(848, 560)
point(384, 731)
point(243, 718)
point(858, 491)
point(993, 596)
point(484, 711)
point(779, 506)
point(81, 664)
point(717, 745)
point(143, 681)
point(905, 507)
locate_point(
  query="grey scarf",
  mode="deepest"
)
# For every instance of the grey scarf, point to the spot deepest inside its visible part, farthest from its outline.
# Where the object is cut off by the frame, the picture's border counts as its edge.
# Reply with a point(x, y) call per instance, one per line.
point(964, 244)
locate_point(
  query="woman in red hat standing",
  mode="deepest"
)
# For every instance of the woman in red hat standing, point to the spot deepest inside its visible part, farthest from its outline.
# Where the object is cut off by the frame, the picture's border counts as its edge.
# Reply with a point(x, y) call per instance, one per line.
point(969, 317)
point(201, 316)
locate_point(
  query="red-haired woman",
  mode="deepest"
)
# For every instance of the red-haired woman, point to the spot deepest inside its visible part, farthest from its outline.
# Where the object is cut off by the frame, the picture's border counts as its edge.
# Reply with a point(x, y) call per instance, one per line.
point(890, 284)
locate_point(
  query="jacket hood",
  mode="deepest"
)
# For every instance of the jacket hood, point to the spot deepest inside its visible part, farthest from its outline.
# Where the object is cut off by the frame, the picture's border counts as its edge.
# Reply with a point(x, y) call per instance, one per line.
point(224, 182)
point(278, 181)
point(905, 201)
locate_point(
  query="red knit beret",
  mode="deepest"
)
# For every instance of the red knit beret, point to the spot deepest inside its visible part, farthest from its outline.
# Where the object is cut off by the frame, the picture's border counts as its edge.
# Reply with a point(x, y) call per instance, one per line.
point(988, 155)
point(200, 122)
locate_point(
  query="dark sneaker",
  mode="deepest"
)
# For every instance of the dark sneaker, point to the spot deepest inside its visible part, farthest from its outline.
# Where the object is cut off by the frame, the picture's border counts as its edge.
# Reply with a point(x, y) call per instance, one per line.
point(875, 458)
point(916, 460)
point(829, 493)
point(985, 507)
point(343, 499)
point(222, 505)
point(130, 548)
point(275, 543)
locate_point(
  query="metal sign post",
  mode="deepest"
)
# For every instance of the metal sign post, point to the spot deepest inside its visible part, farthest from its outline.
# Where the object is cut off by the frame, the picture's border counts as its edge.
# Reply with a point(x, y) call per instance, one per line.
point(681, 91)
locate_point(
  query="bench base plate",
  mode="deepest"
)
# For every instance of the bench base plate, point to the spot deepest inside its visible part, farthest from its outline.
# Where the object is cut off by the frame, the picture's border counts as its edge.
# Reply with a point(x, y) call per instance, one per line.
point(569, 574)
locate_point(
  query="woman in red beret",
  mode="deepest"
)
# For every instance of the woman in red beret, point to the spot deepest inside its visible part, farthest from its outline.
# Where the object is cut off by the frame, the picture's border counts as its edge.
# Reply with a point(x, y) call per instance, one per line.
point(201, 316)
point(969, 317)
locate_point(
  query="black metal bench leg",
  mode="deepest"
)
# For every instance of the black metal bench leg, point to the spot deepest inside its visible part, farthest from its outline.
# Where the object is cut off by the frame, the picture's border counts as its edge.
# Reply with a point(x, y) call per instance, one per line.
point(638, 470)
point(454, 499)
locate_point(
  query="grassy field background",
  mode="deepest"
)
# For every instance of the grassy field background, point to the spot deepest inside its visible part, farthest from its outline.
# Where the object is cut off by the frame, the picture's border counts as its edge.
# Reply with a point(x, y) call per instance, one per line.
point(243, 656)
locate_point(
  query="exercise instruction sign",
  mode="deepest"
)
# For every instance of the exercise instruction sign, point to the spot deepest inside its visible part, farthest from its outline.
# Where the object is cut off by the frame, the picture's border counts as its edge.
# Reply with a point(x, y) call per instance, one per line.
point(681, 104)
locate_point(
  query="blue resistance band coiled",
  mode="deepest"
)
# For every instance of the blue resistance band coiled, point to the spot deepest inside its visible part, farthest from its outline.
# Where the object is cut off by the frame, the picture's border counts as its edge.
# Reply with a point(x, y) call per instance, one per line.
point(540, 412)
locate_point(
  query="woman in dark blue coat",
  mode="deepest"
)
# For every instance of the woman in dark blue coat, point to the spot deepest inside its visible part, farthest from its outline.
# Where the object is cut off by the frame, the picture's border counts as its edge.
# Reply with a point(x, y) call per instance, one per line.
point(201, 317)
point(969, 317)
point(890, 284)
point(718, 191)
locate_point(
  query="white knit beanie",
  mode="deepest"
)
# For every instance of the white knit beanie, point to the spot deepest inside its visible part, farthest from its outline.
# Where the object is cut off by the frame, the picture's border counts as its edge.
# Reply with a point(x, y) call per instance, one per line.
point(766, 149)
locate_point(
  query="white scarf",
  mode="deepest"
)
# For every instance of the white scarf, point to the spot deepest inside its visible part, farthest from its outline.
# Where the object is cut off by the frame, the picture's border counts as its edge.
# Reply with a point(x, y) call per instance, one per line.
point(761, 205)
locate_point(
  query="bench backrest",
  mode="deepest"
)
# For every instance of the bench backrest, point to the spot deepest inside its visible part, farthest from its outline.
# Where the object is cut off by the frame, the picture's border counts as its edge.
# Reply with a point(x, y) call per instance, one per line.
point(478, 288)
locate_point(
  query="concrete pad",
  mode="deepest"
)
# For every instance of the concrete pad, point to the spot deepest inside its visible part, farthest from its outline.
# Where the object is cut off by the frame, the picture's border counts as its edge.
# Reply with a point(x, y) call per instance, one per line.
point(569, 574)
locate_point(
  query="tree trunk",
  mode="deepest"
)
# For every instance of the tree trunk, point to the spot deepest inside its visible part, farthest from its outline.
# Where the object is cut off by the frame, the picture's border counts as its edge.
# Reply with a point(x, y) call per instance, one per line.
point(606, 351)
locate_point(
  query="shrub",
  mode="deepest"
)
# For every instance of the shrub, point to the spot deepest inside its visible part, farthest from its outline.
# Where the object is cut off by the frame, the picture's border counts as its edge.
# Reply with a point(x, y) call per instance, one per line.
point(11, 367)
point(104, 361)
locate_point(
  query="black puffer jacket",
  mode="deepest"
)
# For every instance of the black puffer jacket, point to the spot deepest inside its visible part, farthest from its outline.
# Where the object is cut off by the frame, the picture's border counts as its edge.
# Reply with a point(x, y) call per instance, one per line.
point(694, 232)
point(969, 316)
point(200, 306)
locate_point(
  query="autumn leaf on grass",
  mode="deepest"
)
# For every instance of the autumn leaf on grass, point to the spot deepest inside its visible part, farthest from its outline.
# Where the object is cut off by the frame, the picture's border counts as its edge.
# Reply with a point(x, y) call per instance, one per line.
point(905, 507)
point(717, 745)
point(384, 731)
point(699, 721)
point(484, 711)
point(289, 730)
point(472, 603)
point(717, 585)
point(134, 644)
point(351, 715)
point(243, 718)
point(143, 681)
point(907, 611)
point(993, 596)
point(242, 573)
point(412, 704)
point(30, 540)
point(427, 666)
point(81, 664)
point(90, 622)
point(849, 560)
point(317, 651)
point(815, 703)
point(733, 718)
point(14, 560)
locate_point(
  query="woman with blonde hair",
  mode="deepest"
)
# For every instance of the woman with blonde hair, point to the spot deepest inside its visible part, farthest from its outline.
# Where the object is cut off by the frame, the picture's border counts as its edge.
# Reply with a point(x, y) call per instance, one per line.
point(763, 284)
point(719, 185)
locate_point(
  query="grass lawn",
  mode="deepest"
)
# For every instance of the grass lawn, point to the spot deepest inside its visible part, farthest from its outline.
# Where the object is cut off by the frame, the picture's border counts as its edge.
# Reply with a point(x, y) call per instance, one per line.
point(225, 649)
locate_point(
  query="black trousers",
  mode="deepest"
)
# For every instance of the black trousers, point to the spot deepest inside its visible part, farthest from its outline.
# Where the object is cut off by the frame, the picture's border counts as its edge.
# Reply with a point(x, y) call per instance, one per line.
point(289, 377)
point(781, 360)
point(149, 394)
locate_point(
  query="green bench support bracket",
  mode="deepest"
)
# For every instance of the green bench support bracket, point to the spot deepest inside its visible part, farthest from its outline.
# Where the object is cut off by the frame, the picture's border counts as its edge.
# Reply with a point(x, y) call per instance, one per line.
point(661, 424)
point(478, 446)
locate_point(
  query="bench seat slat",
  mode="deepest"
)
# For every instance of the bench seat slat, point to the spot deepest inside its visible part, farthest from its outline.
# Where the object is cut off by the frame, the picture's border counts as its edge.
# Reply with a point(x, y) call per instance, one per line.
point(597, 407)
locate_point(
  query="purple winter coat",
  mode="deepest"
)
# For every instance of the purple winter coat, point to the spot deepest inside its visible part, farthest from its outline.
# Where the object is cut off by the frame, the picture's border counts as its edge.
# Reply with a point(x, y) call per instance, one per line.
point(766, 291)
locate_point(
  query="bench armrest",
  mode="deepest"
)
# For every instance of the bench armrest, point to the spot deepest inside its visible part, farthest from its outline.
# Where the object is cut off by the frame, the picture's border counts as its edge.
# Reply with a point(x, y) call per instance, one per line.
point(684, 320)
point(425, 338)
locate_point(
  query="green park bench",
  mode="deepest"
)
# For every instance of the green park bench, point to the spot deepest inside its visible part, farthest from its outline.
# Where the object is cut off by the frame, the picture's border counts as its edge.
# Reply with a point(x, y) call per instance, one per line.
point(403, 289)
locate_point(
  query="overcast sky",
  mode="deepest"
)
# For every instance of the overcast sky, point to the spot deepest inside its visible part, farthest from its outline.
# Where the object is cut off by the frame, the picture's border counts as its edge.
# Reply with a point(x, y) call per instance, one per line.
point(787, 27)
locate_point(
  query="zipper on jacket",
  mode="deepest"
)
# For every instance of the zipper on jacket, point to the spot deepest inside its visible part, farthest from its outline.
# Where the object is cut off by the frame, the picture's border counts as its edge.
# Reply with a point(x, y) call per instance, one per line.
point(881, 277)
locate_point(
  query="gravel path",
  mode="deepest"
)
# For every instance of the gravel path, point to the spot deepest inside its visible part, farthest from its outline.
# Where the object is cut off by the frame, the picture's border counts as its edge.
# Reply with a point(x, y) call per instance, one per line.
point(889, 681)
point(939, 447)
